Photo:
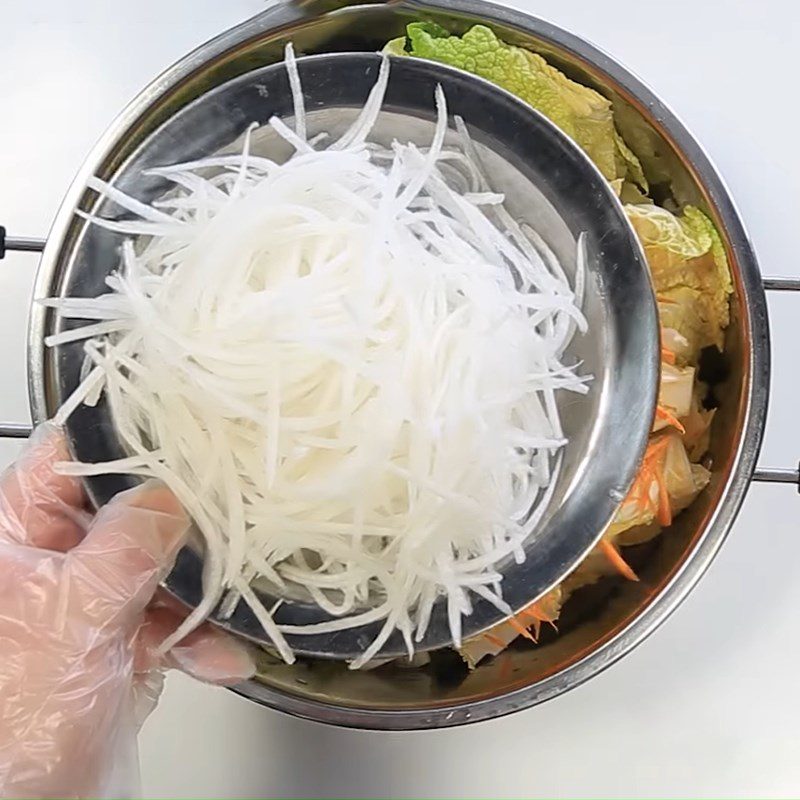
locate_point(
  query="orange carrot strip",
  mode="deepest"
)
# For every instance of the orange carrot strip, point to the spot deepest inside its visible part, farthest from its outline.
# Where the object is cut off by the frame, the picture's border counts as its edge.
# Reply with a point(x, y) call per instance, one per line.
point(536, 619)
point(664, 511)
point(496, 641)
point(617, 561)
point(670, 419)
point(667, 355)
point(656, 447)
point(645, 500)
point(639, 493)
point(541, 613)
point(520, 628)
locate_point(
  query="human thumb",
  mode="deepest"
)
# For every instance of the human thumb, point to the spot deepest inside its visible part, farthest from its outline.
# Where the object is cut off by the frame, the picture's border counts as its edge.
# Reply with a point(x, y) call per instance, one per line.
point(131, 545)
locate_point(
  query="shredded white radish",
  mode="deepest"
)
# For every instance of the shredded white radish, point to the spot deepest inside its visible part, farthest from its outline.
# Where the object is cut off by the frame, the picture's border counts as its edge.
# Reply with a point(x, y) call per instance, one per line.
point(346, 368)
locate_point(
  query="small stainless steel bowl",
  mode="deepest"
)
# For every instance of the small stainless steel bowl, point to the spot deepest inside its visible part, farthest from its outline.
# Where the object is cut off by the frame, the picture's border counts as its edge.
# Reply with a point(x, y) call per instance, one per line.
point(548, 182)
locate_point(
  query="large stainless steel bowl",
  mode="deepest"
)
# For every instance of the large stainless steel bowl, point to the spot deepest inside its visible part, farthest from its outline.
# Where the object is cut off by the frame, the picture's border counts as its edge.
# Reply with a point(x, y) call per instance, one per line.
point(610, 619)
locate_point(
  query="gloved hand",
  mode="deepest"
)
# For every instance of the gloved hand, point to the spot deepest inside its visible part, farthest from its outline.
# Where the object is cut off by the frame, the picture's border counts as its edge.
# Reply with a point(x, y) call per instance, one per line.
point(79, 628)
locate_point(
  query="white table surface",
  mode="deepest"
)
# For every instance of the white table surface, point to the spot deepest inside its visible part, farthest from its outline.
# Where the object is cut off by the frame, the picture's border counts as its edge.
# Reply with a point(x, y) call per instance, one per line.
point(709, 705)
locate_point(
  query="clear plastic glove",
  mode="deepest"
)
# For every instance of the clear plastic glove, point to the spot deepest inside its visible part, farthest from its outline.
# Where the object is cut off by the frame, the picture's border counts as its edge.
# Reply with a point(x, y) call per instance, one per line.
point(80, 629)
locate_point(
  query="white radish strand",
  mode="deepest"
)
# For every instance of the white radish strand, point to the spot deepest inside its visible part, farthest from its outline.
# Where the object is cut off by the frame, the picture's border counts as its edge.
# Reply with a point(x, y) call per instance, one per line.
point(297, 93)
point(346, 368)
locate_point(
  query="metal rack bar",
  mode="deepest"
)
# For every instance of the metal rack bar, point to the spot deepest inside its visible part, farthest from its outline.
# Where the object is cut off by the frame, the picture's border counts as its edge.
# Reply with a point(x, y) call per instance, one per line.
point(21, 244)
point(777, 283)
point(25, 244)
point(15, 430)
point(777, 476)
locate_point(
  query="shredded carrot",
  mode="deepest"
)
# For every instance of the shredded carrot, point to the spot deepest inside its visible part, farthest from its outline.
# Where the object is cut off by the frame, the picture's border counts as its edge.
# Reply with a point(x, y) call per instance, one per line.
point(640, 491)
point(530, 612)
point(666, 300)
point(651, 472)
point(536, 613)
point(617, 561)
point(539, 614)
point(496, 641)
point(643, 498)
point(536, 620)
point(670, 419)
point(667, 355)
point(655, 449)
point(664, 515)
point(520, 628)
